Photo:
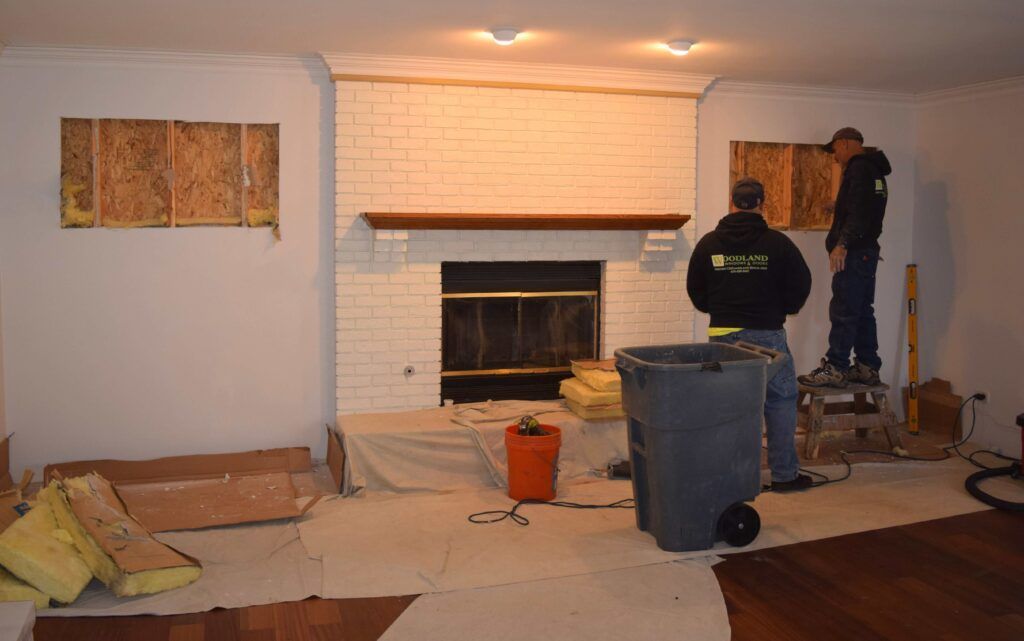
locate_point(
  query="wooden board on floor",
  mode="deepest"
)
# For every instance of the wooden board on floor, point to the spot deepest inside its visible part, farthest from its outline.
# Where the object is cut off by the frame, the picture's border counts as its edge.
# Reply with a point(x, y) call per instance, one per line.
point(77, 173)
point(262, 149)
point(207, 173)
point(134, 173)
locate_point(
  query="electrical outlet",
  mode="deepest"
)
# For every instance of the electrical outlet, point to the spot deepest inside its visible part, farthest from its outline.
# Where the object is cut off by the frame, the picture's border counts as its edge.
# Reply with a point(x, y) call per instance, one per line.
point(981, 396)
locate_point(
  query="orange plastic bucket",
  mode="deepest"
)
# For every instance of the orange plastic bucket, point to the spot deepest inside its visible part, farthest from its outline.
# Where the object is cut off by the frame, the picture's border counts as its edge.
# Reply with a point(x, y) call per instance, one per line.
point(532, 463)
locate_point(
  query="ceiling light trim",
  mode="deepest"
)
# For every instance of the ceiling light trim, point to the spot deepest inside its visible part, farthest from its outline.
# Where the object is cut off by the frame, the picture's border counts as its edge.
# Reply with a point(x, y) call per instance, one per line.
point(27, 55)
point(515, 74)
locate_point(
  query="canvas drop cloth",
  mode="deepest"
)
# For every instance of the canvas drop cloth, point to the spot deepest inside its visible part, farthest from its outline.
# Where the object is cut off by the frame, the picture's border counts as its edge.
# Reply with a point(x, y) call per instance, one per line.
point(243, 565)
point(412, 544)
point(680, 600)
point(463, 447)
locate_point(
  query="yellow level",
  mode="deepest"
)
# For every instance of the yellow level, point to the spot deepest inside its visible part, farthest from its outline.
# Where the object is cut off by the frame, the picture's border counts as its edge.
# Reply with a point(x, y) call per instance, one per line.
point(912, 412)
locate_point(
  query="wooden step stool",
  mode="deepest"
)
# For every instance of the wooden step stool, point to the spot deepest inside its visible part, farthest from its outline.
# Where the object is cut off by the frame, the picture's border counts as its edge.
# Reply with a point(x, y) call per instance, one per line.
point(819, 415)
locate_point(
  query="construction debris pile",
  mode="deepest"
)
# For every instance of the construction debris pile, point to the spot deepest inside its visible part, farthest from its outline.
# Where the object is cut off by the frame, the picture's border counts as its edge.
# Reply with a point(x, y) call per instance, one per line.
point(77, 529)
point(595, 391)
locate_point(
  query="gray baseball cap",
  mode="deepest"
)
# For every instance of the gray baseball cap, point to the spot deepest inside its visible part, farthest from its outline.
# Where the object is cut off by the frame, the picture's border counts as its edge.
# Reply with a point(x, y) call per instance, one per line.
point(747, 193)
point(846, 133)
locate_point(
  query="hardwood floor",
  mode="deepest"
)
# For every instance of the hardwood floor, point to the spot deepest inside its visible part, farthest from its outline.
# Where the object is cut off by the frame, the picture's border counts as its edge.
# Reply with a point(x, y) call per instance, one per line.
point(955, 579)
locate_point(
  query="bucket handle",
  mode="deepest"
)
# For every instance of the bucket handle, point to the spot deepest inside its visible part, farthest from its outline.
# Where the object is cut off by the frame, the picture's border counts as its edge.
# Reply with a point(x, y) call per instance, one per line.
point(625, 367)
point(776, 358)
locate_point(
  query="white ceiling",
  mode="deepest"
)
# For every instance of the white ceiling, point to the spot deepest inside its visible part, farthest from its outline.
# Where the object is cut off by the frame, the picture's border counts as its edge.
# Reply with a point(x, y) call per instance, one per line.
point(895, 45)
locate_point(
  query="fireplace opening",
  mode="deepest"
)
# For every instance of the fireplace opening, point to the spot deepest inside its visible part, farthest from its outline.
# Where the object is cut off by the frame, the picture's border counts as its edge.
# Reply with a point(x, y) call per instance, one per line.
point(509, 330)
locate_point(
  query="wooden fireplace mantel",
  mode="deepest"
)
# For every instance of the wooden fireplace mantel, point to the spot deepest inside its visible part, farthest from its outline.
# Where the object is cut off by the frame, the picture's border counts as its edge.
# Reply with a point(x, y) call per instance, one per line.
point(381, 220)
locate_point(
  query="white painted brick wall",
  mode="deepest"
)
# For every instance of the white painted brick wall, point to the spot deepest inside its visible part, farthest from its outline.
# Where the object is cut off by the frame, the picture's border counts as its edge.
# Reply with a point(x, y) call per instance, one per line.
point(431, 148)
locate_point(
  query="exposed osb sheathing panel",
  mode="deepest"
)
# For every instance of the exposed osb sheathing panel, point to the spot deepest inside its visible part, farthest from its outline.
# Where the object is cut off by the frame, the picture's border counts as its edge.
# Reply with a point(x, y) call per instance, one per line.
point(207, 173)
point(813, 188)
point(262, 144)
point(77, 205)
point(765, 161)
point(134, 176)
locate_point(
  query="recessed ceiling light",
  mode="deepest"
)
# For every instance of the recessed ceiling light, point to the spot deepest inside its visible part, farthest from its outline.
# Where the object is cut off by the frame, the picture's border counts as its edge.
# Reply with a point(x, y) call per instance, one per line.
point(679, 47)
point(504, 36)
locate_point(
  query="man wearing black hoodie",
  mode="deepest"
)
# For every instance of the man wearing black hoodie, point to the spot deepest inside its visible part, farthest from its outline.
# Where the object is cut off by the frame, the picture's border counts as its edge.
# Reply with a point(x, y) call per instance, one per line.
point(748, 278)
point(852, 244)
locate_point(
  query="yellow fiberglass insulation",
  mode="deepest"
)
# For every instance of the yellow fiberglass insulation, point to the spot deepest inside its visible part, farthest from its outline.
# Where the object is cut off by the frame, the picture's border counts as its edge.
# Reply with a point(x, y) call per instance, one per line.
point(14, 589)
point(35, 550)
point(121, 581)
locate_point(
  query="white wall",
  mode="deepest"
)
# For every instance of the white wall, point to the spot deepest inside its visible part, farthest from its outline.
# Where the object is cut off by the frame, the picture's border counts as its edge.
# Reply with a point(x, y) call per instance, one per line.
point(807, 116)
point(152, 342)
point(968, 229)
point(3, 408)
point(434, 148)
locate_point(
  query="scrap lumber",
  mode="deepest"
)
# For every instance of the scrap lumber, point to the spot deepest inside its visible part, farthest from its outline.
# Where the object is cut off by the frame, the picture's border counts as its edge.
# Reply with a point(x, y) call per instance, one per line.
point(38, 552)
point(118, 550)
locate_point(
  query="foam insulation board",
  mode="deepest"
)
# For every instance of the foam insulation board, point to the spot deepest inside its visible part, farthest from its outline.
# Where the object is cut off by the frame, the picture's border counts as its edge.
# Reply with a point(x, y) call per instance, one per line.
point(77, 173)
point(582, 394)
point(593, 413)
point(14, 589)
point(291, 459)
point(117, 549)
point(262, 148)
point(600, 379)
point(38, 552)
point(207, 173)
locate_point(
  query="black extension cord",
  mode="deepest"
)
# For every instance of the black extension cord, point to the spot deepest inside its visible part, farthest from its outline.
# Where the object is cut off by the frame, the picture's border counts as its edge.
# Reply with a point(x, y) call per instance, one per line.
point(493, 516)
point(971, 484)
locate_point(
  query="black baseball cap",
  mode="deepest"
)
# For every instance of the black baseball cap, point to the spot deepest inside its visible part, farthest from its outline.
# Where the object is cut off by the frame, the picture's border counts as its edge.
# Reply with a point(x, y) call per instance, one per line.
point(747, 193)
point(846, 133)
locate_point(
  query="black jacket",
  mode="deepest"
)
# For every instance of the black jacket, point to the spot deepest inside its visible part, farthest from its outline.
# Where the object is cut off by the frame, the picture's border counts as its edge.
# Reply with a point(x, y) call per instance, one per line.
point(746, 275)
point(860, 204)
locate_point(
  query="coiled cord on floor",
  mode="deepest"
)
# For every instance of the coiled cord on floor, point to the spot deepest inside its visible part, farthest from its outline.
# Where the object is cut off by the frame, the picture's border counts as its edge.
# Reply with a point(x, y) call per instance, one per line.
point(494, 516)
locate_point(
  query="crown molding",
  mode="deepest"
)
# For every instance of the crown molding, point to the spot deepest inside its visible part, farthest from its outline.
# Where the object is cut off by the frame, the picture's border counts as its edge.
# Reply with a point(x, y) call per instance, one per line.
point(806, 92)
point(973, 91)
point(347, 66)
point(38, 55)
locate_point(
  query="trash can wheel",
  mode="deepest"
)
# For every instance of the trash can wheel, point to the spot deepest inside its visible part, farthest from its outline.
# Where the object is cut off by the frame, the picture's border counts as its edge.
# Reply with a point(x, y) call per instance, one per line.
point(739, 525)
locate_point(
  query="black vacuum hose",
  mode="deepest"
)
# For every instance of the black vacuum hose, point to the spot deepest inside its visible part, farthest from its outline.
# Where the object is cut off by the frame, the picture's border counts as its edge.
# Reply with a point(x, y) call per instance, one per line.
point(972, 486)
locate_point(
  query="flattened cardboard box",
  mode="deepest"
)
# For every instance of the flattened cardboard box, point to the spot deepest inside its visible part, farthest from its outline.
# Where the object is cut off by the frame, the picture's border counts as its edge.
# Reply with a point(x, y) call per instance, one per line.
point(127, 542)
point(203, 490)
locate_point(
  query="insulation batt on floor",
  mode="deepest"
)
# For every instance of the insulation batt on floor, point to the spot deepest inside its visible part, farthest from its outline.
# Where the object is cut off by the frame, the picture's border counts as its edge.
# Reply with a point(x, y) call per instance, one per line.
point(38, 552)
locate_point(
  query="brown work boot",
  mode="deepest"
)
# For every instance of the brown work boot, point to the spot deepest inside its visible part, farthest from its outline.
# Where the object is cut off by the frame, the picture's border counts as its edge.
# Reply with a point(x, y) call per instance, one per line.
point(861, 374)
point(825, 376)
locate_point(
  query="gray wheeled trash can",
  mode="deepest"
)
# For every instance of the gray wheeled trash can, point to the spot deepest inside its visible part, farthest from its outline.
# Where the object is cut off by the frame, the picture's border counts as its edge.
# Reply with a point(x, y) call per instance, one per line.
point(694, 420)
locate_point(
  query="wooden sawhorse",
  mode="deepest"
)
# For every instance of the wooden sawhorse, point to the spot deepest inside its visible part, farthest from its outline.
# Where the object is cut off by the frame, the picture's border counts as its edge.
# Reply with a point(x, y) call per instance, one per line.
point(819, 415)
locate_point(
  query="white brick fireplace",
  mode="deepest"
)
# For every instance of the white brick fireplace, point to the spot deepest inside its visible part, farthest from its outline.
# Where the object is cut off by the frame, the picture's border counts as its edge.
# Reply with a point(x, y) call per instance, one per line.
point(410, 147)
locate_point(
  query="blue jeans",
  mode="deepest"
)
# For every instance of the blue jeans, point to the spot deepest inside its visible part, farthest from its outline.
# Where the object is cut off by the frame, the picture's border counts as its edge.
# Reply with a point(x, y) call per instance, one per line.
point(852, 312)
point(779, 404)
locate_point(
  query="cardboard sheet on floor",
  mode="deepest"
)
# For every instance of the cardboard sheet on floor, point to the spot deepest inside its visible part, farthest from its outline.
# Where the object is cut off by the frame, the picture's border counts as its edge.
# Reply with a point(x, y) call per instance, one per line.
point(291, 459)
point(394, 545)
point(680, 600)
point(197, 503)
point(197, 491)
point(243, 565)
point(463, 447)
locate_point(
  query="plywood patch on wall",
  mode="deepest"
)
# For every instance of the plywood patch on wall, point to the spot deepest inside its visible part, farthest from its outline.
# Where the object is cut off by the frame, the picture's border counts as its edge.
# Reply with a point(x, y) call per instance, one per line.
point(77, 202)
point(815, 184)
point(207, 173)
point(765, 162)
point(134, 174)
point(262, 144)
point(800, 181)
